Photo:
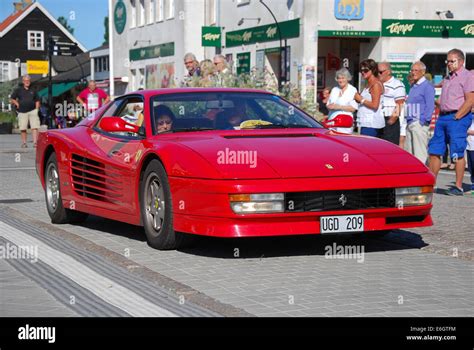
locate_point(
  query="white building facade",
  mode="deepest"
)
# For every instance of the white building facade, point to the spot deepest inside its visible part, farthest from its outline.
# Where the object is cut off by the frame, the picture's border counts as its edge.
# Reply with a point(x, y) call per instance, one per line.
point(321, 36)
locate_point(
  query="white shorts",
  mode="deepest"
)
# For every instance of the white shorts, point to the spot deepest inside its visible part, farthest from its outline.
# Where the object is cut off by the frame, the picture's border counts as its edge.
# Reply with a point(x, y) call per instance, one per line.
point(31, 117)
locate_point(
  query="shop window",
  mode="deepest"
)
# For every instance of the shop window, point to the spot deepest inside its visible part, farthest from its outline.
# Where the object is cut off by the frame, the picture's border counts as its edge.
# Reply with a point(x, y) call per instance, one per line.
point(142, 14)
point(436, 64)
point(171, 9)
point(151, 12)
point(159, 10)
point(133, 22)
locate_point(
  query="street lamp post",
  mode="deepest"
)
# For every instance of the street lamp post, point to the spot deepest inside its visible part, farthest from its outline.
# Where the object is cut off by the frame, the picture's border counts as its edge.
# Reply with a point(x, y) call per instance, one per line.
point(282, 50)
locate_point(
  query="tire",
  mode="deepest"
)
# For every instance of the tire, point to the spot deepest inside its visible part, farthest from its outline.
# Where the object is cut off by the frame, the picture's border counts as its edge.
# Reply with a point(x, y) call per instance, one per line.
point(156, 208)
point(52, 193)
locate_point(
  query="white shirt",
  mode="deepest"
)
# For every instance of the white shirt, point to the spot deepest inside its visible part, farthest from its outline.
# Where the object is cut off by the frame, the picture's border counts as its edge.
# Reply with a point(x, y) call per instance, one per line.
point(342, 98)
point(394, 90)
point(470, 139)
point(368, 118)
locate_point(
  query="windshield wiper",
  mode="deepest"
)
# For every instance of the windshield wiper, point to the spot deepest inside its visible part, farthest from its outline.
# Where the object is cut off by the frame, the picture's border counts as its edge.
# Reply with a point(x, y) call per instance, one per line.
point(194, 128)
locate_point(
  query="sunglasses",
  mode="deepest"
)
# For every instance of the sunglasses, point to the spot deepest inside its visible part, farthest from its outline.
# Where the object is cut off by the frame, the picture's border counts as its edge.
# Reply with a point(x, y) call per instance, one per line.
point(364, 70)
point(163, 122)
point(450, 61)
point(382, 71)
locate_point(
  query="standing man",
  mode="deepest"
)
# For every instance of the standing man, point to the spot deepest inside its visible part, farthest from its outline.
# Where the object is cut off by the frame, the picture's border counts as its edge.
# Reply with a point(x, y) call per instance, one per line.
point(455, 118)
point(221, 64)
point(92, 98)
point(392, 103)
point(27, 104)
point(420, 105)
point(192, 65)
point(192, 68)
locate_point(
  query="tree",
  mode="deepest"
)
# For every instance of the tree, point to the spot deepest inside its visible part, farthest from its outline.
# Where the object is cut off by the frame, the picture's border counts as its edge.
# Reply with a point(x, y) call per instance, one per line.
point(64, 23)
point(106, 32)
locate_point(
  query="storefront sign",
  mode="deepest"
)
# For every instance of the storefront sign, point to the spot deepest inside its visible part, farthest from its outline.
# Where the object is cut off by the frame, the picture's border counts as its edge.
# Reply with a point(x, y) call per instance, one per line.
point(348, 33)
point(243, 62)
point(349, 9)
point(400, 70)
point(120, 16)
point(428, 28)
point(143, 53)
point(211, 36)
point(37, 67)
point(289, 29)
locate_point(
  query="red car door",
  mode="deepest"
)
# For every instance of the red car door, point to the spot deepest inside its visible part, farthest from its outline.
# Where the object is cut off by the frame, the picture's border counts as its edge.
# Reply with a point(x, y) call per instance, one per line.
point(106, 174)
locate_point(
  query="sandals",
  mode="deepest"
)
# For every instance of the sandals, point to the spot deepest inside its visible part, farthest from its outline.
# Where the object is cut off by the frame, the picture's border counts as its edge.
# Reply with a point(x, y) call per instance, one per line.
point(24, 145)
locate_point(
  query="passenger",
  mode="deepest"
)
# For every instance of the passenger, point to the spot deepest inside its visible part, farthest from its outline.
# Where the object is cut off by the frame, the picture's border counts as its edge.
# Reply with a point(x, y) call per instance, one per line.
point(231, 118)
point(164, 119)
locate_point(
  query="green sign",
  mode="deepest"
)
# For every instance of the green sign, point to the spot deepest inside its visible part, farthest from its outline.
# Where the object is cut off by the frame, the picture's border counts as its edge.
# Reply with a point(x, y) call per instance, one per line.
point(427, 28)
point(162, 50)
point(243, 62)
point(400, 70)
point(211, 36)
point(349, 33)
point(289, 29)
point(120, 16)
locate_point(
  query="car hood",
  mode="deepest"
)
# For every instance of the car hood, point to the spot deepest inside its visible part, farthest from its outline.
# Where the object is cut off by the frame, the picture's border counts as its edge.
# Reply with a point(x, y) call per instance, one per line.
point(256, 154)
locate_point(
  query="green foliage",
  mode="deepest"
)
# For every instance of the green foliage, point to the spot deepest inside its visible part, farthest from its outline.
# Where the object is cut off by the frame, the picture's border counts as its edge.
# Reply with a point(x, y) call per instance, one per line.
point(106, 31)
point(260, 79)
point(6, 117)
point(66, 25)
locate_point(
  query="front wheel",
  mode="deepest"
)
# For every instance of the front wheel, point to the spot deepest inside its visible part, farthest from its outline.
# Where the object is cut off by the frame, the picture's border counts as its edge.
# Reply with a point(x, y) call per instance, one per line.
point(156, 208)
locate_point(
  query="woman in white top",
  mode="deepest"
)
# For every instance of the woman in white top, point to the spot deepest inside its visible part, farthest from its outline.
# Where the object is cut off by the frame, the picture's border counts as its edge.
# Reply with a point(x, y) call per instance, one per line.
point(370, 117)
point(341, 100)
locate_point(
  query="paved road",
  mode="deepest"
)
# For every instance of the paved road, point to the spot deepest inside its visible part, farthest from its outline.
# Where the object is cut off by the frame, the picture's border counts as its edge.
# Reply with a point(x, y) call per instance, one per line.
point(106, 268)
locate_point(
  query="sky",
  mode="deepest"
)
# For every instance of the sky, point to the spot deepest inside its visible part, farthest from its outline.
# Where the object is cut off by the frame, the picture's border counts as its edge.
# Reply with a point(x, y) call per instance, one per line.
point(85, 16)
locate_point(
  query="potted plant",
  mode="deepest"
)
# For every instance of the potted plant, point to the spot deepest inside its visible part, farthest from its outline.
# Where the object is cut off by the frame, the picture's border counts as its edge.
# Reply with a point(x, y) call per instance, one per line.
point(6, 122)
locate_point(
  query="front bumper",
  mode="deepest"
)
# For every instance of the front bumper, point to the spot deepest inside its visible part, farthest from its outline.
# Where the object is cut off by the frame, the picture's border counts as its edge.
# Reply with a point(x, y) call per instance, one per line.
point(202, 207)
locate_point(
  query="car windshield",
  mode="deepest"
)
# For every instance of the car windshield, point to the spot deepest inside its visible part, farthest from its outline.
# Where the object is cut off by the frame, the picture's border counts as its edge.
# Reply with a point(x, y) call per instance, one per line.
point(195, 111)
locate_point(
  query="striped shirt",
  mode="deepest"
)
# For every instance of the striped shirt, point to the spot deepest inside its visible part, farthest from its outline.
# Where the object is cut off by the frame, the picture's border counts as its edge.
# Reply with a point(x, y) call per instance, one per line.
point(394, 90)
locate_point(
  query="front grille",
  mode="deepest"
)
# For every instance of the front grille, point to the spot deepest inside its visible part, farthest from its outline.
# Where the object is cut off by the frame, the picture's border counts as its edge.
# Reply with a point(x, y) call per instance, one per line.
point(93, 180)
point(340, 200)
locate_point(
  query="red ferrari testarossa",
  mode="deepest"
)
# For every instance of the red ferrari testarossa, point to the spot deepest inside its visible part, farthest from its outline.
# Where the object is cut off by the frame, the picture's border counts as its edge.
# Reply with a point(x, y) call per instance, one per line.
point(227, 163)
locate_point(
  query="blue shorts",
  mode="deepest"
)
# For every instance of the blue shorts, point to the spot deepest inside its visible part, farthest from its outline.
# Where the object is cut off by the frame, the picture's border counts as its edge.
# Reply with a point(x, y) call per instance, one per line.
point(450, 131)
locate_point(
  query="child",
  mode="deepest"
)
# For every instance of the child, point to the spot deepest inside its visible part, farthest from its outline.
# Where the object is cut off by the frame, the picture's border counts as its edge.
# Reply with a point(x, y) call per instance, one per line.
point(470, 154)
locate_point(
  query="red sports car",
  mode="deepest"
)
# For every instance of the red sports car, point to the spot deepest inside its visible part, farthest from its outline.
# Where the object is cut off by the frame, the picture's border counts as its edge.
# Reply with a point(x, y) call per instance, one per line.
point(227, 163)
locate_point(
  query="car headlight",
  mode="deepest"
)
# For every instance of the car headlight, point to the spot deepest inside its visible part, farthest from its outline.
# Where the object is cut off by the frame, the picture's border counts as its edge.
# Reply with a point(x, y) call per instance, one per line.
point(413, 196)
point(257, 203)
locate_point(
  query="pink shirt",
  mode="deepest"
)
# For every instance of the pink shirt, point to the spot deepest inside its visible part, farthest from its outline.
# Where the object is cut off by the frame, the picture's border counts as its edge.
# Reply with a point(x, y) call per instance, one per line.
point(455, 86)
point(93, 99)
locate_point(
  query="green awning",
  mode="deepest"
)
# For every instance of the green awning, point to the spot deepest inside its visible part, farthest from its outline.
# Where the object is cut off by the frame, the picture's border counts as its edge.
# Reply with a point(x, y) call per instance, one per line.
point(58, 89)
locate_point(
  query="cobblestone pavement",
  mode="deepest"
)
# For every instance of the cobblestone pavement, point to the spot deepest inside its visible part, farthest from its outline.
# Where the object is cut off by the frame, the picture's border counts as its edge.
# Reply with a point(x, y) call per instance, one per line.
point(416, 272)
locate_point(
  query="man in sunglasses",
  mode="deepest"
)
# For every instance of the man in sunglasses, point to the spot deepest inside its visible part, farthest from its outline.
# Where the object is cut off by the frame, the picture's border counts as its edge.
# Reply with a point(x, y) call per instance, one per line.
point(455, 118)
point(393, 99)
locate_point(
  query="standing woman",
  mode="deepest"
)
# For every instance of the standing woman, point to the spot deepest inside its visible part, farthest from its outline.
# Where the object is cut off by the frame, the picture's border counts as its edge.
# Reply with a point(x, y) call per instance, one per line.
point(370, 116)
point(341, 99)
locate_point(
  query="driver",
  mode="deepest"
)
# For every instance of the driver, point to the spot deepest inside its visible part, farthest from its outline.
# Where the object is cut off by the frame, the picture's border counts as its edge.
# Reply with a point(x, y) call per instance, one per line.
point(164, 119)
point(231, 118)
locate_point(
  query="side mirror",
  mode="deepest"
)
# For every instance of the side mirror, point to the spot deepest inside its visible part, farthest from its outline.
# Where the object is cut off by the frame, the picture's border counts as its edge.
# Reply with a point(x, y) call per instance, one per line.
point(116, 124)
point(340, 121)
